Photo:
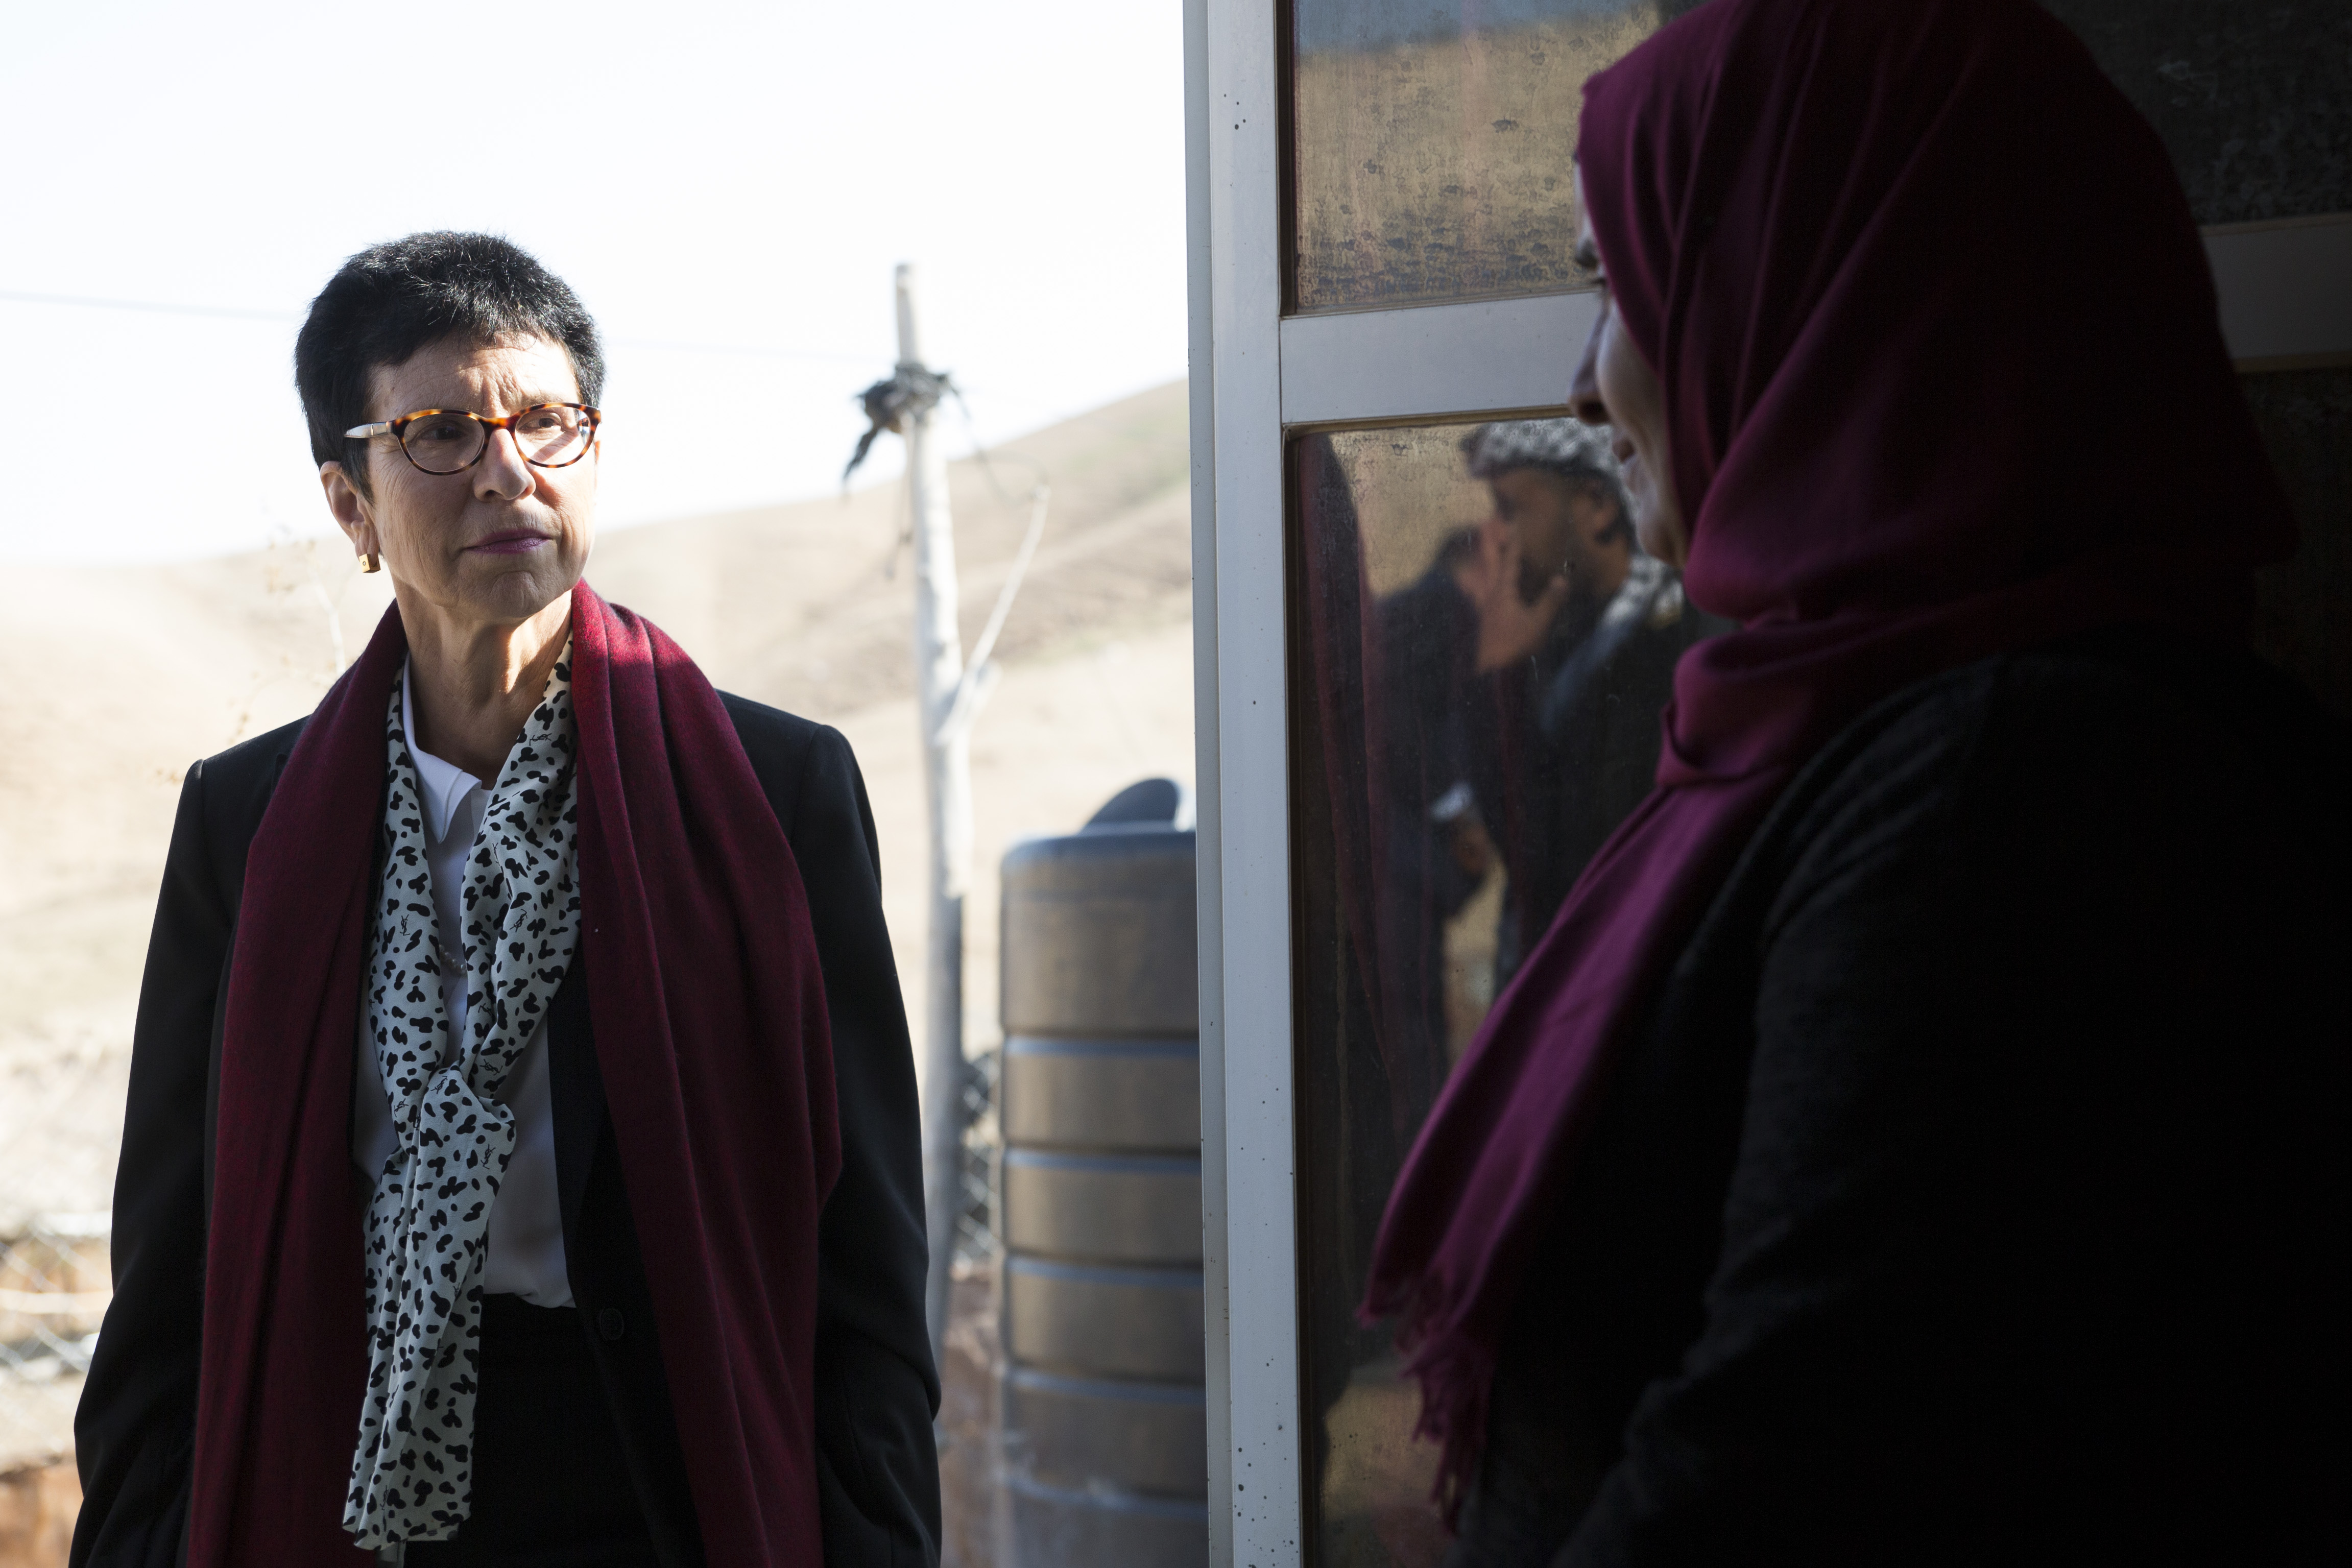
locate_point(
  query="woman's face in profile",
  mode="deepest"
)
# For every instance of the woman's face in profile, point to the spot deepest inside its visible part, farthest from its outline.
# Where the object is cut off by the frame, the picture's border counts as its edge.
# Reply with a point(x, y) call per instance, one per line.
point(494, 543)
point(1614, 386)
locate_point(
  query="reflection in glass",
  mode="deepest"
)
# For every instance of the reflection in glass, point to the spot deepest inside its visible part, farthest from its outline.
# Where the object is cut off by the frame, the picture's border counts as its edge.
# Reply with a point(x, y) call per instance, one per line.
point(2251, 100)
point(1430, 142)
point(1480, 655)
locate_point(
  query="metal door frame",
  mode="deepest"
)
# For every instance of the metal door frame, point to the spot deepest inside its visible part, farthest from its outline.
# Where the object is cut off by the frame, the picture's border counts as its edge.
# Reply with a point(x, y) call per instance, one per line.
point(1256, 376)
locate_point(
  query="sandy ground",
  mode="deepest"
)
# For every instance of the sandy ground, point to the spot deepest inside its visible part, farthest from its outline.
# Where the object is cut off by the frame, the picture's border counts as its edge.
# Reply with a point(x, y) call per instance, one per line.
point(112, 681)
point(970, 1520)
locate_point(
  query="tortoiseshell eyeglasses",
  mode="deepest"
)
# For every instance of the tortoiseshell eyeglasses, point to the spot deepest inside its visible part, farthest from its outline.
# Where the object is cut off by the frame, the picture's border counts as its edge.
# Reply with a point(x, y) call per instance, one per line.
point(450, 440)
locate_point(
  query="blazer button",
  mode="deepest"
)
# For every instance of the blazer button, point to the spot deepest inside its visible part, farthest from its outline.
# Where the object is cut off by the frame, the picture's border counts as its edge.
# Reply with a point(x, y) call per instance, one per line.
point(610, 1323)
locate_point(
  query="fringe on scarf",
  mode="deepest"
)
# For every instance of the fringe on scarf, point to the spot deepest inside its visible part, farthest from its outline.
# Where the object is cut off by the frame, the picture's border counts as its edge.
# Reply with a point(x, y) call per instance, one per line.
point(1456, 1373)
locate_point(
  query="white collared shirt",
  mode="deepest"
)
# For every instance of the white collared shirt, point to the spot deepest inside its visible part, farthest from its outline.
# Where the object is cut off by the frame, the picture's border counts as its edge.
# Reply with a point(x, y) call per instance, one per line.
point(526, 1240)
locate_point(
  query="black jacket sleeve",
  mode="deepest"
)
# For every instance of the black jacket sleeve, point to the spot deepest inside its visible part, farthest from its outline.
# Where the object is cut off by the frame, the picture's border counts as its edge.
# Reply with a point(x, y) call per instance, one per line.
point(877, 1391)
point(134, 1432)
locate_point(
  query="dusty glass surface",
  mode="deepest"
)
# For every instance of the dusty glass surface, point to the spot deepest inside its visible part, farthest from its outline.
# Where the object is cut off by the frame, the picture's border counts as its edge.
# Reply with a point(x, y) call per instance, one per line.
point(1431, 141)
point(1477, 672)
point(2254, 101)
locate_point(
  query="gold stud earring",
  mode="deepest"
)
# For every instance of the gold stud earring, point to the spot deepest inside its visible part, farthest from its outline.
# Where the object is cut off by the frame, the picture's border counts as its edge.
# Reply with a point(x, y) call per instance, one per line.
point(368, 561)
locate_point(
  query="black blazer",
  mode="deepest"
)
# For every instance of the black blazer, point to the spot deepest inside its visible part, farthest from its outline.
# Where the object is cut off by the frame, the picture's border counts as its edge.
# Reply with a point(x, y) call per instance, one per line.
point(877, 1389)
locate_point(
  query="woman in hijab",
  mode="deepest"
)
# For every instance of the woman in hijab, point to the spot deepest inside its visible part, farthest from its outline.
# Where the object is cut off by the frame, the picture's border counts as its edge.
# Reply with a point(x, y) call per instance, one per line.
point(1919, 1137)
point(520, 1164)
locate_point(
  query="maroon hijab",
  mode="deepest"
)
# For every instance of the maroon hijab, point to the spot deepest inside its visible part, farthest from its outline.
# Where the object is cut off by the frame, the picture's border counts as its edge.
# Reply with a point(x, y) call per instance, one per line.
point(1943, 377)
point(711, 1034)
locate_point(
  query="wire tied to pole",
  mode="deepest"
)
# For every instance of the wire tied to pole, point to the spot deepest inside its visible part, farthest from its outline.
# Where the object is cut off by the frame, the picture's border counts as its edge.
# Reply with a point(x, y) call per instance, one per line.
point(980, 676)
point(908, 393)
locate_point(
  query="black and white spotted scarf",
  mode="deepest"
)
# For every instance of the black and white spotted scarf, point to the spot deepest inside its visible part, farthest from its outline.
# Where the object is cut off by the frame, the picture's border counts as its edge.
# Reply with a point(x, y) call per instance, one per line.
point(429, 1227)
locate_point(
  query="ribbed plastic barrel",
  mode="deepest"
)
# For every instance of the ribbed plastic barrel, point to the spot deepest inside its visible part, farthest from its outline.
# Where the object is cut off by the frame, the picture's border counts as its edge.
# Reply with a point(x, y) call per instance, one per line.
point(1104, 1427)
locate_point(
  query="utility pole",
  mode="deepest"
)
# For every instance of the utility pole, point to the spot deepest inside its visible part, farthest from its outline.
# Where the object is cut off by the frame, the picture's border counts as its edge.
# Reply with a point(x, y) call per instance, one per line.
point(946, 786)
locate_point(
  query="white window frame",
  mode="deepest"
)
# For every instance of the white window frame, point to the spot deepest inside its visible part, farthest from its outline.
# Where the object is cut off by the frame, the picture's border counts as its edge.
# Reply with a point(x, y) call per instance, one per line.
point(1256, 376)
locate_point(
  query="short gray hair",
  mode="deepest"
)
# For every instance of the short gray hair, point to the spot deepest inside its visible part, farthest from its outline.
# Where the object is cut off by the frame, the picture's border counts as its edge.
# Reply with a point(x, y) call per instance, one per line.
point(1568, 448)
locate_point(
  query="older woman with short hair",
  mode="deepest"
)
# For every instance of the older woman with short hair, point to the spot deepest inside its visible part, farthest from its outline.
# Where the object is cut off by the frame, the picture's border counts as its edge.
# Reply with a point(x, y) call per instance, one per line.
point(521, 1163)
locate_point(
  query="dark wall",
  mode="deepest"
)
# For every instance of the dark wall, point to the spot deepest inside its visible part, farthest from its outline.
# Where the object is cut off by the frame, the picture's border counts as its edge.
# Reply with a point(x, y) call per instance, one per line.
point(2254, 98)
point(2302, 618)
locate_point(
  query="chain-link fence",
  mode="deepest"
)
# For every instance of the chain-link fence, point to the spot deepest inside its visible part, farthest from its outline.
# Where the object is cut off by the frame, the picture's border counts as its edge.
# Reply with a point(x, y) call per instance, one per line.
point(969, 1470)
point(975, 1242)
point(53, 1286)
point(62, 1079)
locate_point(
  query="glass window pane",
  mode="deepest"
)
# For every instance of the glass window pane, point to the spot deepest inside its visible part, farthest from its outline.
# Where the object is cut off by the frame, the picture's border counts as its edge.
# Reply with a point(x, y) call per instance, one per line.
point(1465, 734)
point(2254, 103)
point(1430, 142)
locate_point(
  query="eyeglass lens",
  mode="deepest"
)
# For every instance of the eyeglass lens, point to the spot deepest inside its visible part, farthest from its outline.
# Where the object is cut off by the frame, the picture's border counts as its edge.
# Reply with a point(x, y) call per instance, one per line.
point(447, 442)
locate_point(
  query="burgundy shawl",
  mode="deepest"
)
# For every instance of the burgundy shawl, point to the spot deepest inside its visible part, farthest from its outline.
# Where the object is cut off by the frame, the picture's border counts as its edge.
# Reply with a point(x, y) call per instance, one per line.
point(711, 1035)
point(1943, 377)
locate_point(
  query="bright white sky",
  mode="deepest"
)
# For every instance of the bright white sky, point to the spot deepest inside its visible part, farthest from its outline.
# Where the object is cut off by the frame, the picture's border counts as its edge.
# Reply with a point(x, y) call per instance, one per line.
point(742, 177)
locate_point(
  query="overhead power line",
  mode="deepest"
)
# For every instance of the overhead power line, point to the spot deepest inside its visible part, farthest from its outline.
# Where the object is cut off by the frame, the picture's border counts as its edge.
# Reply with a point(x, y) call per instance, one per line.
point(657, 345)
point(756, 350)
point(87, 302)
